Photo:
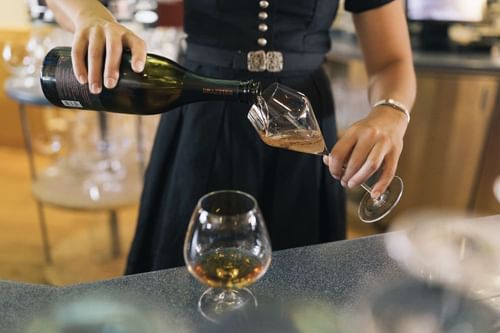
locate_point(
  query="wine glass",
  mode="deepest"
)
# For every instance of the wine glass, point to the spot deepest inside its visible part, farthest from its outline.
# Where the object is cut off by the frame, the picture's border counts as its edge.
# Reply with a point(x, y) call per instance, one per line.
point(227, 247)
point(449, 249)
point(284, 118)
point(16, 58)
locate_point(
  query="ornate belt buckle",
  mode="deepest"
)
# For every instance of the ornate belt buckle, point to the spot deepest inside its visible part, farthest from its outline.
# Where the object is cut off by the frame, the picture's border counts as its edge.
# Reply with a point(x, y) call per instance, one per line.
point(256, 61)
point(261, 61)
point(274, 61)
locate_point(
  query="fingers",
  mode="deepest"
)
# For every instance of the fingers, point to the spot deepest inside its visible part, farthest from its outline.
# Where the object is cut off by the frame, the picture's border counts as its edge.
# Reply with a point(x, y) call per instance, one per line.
point(390, 166)
point(363, 153)
point(89, 45)
point(339, 155)
point(95, 59)
point(78, 56)
point(138, 48)
point(358, 158)
point(113, 58)
point(372, 163)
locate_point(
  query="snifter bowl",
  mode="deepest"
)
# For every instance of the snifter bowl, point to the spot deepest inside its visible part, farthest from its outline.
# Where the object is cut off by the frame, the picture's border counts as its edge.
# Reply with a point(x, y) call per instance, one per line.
point(227, 248)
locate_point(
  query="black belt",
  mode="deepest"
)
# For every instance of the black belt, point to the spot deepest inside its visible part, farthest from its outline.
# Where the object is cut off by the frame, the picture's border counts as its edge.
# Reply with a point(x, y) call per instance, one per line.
point(254, 61)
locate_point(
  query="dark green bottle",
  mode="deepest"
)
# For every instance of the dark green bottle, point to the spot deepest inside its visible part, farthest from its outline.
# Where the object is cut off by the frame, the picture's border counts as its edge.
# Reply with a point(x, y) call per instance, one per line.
point(162, 86)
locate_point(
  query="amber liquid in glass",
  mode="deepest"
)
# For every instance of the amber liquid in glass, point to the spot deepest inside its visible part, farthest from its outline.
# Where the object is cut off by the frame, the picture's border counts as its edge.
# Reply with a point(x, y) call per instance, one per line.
point(301, 140)
point(228, 268)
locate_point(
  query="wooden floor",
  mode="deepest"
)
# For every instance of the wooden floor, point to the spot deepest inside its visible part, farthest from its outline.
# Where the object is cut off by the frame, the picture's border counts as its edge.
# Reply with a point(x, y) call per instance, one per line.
point(80, 241)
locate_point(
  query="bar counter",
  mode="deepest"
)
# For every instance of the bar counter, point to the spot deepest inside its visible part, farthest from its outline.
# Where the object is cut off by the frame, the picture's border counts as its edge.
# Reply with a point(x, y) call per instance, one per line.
point(462, 62)
point(332, 277)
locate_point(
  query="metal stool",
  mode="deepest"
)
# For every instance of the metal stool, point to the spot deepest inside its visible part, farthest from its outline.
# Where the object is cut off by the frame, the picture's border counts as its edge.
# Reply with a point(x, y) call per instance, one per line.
point(57, 192)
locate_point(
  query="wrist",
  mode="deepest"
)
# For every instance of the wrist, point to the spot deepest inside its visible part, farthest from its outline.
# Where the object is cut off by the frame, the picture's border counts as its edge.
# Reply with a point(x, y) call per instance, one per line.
point(391, 118)
point(87, 16)
point(395, 105)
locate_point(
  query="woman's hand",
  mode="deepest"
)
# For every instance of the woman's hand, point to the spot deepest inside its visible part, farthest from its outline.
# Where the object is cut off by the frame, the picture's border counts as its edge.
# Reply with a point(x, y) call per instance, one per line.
point(373, 142)
point(94, 37)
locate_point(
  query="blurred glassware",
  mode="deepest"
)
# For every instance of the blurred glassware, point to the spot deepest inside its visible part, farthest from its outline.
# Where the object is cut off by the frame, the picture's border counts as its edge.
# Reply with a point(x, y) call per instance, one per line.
point(449, 249)
point(99, 145)
point(36, 52)
point(104, 311)
point(123, 10)
point(15, 57)
point(54, 142)
point(97, 156)
point(416, 307)
point(23, 59)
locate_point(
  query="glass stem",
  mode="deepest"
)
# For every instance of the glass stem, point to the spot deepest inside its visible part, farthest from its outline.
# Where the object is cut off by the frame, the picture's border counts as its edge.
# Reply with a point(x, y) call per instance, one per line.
point(363, 185)
point(366, 187)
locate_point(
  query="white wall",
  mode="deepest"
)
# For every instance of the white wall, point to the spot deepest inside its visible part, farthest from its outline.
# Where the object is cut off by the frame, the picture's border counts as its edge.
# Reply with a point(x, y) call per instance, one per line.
point(13, 14)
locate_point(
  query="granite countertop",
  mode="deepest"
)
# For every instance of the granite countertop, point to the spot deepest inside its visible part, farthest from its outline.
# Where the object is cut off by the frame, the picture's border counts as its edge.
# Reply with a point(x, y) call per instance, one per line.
point(330, 273)
point(322, 285)
point(345, 49)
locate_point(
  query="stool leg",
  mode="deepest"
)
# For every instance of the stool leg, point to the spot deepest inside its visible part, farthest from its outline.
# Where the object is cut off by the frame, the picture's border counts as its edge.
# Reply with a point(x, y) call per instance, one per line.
point(45, 234)
point(31, 160)
point(115, 235)
point(140, 146)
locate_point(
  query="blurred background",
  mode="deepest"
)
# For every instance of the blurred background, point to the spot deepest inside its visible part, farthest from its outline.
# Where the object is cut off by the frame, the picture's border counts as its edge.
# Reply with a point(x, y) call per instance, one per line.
point(71, 180)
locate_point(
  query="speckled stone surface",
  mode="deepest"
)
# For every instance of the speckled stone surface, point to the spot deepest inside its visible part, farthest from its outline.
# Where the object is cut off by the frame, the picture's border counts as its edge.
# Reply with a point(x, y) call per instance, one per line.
point(331, 287)
point(19, 301)
point(332, 274)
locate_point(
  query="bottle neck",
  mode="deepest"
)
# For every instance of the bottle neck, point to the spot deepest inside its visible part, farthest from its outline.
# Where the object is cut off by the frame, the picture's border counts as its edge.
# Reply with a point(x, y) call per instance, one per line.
point(249, 91)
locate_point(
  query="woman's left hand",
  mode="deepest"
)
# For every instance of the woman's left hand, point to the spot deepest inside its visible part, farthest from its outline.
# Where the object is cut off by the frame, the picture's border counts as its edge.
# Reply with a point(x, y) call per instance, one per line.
point(373, 142)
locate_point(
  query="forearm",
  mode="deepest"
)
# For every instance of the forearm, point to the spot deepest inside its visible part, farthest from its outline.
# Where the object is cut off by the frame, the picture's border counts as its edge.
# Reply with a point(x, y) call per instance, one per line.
point(376, 141)
point(395, 80)
point(69, 12)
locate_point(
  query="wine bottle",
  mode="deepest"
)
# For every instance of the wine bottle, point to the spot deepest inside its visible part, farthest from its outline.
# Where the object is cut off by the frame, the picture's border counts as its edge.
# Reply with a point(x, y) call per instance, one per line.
point(162, 86)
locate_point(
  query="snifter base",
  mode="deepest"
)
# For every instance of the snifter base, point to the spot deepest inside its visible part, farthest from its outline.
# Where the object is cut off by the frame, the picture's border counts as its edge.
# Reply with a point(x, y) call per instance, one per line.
point(215, 304)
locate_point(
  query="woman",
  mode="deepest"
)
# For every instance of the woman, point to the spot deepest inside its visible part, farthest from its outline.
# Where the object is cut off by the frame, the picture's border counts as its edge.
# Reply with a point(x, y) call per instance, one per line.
point(211, 145)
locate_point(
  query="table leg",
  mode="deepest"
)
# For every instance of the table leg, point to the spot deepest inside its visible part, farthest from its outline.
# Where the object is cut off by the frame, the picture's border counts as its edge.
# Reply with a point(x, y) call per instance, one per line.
point(140, 146)
point(28, 144)
point(115, 234)
point(45, 234)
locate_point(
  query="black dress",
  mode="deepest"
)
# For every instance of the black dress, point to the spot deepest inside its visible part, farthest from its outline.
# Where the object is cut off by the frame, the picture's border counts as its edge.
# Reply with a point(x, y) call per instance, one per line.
point(210, 146)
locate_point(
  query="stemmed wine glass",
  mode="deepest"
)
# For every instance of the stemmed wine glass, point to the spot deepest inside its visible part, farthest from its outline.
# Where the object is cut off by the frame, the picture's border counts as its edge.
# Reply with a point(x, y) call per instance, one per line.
point(227, 247)
point(15, 57)
point(284, 118)
point(449, 249)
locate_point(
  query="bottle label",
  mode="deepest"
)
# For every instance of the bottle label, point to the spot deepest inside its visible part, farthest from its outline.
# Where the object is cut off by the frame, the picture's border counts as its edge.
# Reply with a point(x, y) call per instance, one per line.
point(71, 93)
point(71, 104)
point(219, 91)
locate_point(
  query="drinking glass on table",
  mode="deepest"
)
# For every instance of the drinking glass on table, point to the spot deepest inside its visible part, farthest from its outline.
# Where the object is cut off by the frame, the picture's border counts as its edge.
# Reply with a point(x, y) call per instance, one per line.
point(227, 247)
point(450, 249)
point(284, 118)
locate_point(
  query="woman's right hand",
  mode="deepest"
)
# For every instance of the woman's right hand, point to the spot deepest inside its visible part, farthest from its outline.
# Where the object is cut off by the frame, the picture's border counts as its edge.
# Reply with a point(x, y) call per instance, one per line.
point(95, 37)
